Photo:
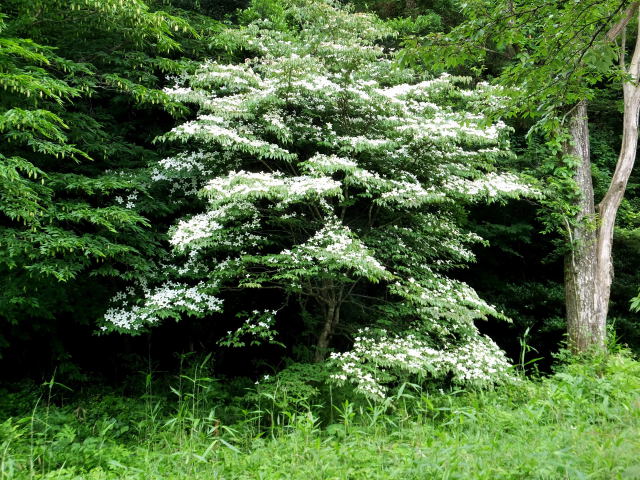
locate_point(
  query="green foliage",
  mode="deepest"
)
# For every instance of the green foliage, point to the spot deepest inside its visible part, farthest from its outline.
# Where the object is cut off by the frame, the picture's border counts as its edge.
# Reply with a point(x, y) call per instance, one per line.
point(549, 56)
point(581, 422)
point(418, 16)
point(41, 222)
point(279, 400)
point(85, 78)
point(556, 53)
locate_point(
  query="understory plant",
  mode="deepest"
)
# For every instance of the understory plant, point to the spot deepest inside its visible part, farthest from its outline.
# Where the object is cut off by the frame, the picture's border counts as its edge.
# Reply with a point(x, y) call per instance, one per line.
point(336, 182)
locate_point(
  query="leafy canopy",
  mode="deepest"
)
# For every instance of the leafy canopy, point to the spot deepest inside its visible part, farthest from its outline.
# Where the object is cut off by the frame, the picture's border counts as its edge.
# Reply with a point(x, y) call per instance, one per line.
point(334, 180)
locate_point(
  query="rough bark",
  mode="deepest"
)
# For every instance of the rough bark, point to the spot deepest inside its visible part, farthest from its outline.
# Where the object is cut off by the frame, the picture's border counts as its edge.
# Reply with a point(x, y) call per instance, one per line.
point(580, 262)
point(588, 268)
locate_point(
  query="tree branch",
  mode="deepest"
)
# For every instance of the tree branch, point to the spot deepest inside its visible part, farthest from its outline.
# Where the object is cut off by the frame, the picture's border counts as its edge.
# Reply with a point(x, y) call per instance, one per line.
point(634, 66)
point(619, 27)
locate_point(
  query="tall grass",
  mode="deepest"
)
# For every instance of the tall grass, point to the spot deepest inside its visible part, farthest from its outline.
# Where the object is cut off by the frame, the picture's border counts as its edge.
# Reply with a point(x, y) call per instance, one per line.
point(581, 422)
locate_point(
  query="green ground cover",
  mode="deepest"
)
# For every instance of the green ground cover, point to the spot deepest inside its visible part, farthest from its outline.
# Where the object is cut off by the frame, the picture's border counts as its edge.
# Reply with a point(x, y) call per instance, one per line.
point(581, 422)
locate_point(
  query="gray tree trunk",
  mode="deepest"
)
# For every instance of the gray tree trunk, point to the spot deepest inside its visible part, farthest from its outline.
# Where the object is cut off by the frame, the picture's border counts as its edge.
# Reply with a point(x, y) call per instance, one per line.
point(608, 207)
point(588, 267)
point(580, 267)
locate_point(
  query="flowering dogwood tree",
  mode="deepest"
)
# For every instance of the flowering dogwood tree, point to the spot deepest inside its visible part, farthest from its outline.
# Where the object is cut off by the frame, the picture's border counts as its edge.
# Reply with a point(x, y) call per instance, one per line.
point(334, 178)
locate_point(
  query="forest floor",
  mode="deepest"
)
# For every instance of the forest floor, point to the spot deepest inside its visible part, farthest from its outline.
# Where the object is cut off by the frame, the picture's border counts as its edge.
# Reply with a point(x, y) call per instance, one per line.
point(581, 422)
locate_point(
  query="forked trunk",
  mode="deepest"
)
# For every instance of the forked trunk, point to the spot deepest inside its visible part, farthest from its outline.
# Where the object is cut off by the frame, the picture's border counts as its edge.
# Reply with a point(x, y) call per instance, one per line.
point(588, 267)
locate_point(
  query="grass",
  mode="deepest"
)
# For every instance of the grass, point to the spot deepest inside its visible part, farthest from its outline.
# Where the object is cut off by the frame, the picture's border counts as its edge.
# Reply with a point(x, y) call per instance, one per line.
point(582, 422)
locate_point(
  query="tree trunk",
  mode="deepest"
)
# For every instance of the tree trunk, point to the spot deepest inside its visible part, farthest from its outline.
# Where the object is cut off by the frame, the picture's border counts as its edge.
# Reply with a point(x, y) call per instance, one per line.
point(608, 207)
point(580, 263)
point(588, 268)
point(331, 319)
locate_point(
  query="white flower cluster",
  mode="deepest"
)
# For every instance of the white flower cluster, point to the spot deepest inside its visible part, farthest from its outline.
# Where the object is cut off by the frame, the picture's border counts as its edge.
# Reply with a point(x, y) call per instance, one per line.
point(210, 228)
point(492, 186)
point(228, 78)
point(451, 298)
point(258, 326)
point(340, 31)
point(406, 193)
point(422, 120)
point(217, 133)
point(399, 93)
point(197, 227)
point(409, 194)
point(274, 186)
point(377, 360)
point(362, 143)
point(186, 172)
point(336, 247)
point(128, 201)
point(194, 163)
point(214, 129)
point(329, 164)
point(161, 302)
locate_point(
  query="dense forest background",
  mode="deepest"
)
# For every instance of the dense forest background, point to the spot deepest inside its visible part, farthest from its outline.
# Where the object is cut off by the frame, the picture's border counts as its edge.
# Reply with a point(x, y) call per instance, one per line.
point(286, 239)
point(82, 107)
